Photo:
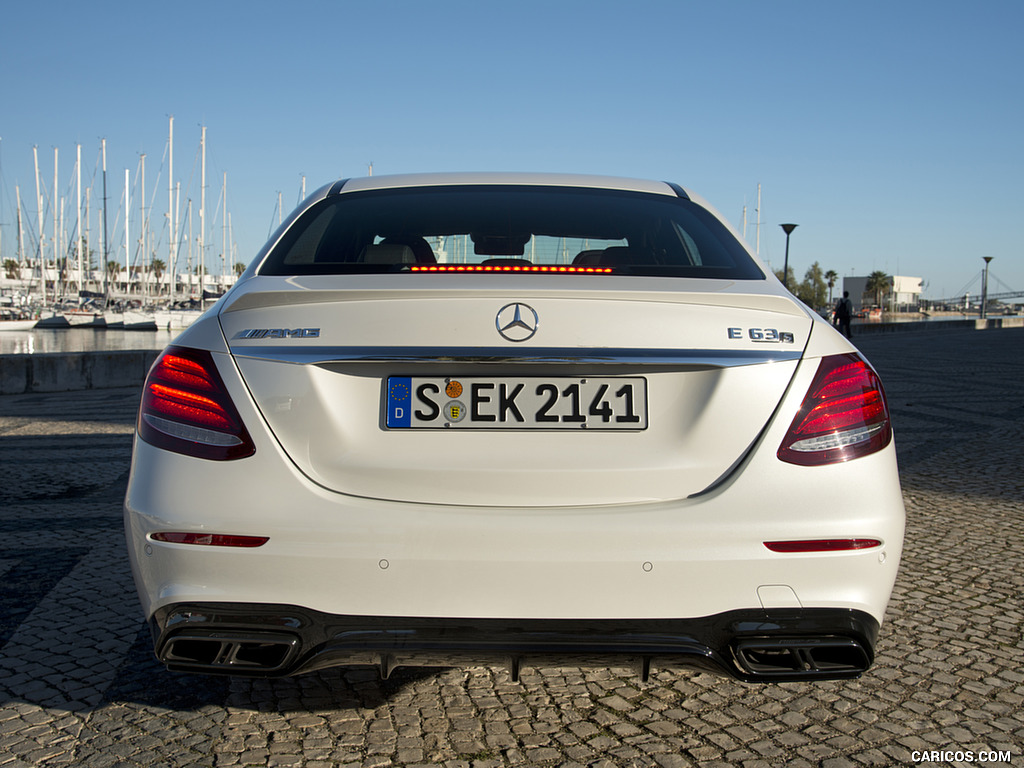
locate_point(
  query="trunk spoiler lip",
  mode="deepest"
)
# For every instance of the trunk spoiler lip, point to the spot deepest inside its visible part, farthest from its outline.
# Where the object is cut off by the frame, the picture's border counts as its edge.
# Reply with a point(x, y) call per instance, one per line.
point(707, 358)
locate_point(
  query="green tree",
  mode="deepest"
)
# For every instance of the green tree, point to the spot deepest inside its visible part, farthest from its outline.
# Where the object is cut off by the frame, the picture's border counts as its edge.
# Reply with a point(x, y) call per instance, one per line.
point(88, 256)
point(783, 280)
point(12, 268)
point(812, 290)
point(239, 268)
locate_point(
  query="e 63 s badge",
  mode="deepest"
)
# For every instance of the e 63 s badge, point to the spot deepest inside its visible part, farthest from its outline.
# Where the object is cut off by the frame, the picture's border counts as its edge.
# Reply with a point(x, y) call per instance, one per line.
point(762, 335)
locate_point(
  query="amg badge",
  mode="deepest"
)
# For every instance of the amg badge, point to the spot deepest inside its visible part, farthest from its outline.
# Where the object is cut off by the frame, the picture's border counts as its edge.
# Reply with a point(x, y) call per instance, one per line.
point(278, 333)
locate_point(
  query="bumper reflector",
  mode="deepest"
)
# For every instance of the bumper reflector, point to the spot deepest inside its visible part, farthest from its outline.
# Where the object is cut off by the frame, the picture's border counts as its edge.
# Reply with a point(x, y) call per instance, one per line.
point(822, 545)
point(210, 539)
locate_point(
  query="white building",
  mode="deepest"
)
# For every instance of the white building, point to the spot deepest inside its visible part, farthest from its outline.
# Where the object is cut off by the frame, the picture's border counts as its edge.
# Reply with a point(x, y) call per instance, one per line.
point(903, 293)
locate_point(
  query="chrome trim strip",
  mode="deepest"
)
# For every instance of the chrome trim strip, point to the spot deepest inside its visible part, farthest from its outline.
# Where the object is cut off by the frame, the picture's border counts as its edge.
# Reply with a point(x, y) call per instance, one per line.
point(715, 358)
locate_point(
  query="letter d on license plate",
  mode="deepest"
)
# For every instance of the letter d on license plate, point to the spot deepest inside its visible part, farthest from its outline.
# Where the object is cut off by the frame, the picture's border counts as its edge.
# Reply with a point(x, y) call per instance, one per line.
point(423, 402)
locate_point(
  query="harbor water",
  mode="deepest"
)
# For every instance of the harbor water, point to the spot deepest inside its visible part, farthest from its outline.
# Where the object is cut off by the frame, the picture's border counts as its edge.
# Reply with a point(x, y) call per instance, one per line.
point(63, 340)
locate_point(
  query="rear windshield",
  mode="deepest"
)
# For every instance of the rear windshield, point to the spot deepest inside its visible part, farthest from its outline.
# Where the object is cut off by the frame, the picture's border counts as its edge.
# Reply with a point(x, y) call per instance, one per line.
point(513, 228)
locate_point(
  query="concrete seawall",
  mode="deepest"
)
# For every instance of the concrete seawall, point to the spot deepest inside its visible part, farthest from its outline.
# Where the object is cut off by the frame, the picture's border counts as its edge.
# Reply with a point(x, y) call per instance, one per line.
point(972, 323)
point(70, 371)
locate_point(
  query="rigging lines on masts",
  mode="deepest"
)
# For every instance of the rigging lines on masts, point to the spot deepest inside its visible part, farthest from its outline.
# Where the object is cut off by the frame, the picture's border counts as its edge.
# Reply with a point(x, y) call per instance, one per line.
point(757, 227)
point(757, 223)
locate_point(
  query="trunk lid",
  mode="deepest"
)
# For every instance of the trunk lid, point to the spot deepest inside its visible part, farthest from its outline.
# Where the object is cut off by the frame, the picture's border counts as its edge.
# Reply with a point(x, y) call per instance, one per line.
point(710, 359)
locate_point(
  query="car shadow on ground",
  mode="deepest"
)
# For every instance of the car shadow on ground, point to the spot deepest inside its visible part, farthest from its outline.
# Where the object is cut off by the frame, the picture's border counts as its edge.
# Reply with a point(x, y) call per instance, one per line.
point(143, 680)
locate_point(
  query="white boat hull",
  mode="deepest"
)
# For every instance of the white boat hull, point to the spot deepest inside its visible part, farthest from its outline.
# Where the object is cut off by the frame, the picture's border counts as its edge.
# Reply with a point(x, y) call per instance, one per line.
point(139, 321)
point(176, 319)
point(17, 325)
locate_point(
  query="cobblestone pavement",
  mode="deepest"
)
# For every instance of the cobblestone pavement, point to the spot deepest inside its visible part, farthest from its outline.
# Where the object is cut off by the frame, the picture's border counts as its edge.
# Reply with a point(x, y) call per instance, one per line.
point(79, 685)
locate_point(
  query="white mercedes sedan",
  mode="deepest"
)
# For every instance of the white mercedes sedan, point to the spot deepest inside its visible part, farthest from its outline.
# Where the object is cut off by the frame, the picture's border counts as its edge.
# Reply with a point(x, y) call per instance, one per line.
point(513, 419)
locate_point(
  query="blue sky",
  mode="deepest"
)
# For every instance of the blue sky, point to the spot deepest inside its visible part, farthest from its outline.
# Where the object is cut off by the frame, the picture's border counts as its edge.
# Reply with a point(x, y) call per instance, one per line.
point(891, 132)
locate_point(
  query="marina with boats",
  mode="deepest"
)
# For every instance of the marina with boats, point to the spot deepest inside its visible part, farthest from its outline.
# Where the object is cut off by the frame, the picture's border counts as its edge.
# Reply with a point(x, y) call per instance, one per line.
point(72, 269)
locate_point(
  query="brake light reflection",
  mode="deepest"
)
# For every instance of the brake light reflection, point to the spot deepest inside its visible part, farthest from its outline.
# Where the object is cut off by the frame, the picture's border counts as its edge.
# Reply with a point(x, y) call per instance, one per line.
point(549, 269)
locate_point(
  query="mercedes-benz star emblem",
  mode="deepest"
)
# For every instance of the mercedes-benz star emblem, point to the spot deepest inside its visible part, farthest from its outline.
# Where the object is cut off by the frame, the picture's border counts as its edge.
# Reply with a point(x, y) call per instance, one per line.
point(516, 321)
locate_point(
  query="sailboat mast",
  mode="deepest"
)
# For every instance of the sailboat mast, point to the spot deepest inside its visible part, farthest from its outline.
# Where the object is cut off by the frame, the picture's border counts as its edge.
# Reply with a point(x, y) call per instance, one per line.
point(142, 232)
point(57, 252)
point(202, 222)
point(78, 218)
point(87, 233)
point(177, 227)
point(21, 240)
point(188, 255)
point(757, 251)
point(127, 217)
point(224, 226)
point(39, 222)
point(103, 229)
point(171, 228)
point(63, 251)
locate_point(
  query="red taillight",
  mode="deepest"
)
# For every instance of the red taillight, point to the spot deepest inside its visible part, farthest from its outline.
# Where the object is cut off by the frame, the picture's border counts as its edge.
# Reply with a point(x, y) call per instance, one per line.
point(186, 408)
point(844, 415)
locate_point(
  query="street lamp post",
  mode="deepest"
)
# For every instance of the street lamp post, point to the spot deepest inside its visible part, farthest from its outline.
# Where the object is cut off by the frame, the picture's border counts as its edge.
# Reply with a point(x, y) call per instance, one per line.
point(788, 229)
point(984, 287)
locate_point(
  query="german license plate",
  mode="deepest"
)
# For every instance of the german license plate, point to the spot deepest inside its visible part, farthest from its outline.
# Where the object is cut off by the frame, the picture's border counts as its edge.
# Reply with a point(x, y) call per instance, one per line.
point(415, 402)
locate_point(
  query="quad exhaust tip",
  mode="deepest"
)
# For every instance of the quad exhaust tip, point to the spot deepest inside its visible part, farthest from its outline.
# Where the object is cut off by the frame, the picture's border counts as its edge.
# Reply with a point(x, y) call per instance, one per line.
point(230, 652)
point(796, 658)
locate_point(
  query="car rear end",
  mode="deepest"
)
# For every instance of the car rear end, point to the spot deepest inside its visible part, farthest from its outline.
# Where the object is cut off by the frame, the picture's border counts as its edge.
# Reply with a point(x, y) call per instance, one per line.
point(522, 420)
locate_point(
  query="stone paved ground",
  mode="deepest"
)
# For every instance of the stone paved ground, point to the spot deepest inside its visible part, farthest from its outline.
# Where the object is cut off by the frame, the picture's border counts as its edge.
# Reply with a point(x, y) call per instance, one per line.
point(79, 686)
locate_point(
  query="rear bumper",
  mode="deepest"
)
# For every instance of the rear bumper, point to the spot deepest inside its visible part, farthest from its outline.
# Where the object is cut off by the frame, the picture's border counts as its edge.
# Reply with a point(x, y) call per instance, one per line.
point(749, 645)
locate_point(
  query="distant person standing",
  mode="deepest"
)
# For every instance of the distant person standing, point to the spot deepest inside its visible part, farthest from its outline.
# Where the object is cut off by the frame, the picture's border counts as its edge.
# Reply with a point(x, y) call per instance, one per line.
point(843, 313)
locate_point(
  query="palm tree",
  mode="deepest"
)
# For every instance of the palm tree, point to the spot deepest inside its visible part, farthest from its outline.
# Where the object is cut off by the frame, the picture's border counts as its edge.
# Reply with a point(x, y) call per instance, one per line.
point(878, 283)
point(831, 277)
point(113, 271)
point(157, 267)
point(12, 268)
